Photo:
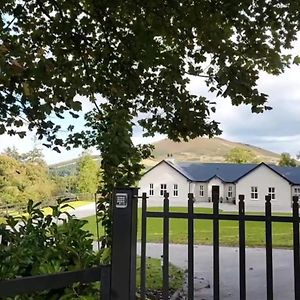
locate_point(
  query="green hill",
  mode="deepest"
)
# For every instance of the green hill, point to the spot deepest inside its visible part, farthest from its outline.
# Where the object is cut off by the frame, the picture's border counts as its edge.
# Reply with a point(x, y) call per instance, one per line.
point(197, 150)
point(68, 167)
point(206, 150)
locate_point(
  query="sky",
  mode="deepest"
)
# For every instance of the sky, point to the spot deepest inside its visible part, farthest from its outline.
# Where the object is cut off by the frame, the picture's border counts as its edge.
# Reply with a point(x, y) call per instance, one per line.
point(277, 130)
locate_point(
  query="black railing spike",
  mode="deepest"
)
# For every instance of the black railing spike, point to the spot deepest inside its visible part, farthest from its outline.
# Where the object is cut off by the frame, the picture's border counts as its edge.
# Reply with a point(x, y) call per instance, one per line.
point(242, 198)
point(190, 246)
point(166, 247)
point(268, 198)
point(269, 252)
point(242, 245)
point(143, 246)
point(296, 246)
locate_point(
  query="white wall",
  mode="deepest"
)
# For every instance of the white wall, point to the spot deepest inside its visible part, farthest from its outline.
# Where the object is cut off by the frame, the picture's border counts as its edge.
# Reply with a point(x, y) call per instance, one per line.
point(197, 192)
point(164, 174)
point(263, 178)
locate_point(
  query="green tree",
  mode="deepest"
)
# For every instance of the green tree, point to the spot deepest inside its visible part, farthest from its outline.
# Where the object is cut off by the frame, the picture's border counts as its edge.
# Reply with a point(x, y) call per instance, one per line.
point(140, 58)
point(88, 174)
point(12, 152)
point(286, 160)
point(20, 181)
point(241, 156)
point(34, 156)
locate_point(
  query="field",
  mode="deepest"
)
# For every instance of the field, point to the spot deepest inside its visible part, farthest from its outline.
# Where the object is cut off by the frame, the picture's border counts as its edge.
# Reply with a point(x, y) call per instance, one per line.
point(255, 231)
point(46, 210)
point(154, 275)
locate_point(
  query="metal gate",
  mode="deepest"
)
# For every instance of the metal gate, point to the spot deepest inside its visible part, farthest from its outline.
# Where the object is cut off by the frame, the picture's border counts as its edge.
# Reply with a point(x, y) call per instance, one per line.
point(216, 217)
point(119, 279)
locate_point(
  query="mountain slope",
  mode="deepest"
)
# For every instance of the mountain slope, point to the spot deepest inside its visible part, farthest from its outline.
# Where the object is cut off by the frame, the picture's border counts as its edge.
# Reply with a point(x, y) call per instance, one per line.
point(206, 150)
point(199, 149)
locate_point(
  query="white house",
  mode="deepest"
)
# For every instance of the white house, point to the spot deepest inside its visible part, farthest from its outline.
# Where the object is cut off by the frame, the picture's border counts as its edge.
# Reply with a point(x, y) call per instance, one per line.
point(254, 181)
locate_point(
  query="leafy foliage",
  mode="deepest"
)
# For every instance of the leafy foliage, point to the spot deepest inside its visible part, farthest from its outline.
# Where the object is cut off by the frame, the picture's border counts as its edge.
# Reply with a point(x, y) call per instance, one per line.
point(138, 57)
point(87, 179)
point(241, 156)
point(134, 61)
point(36, 244)
point(286, 160)
point(21, 181)
point(121, 163)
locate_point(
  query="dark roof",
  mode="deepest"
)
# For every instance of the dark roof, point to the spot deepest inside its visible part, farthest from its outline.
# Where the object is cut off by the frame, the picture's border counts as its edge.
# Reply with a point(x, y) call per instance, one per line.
point(228, 172)
point(292, 174)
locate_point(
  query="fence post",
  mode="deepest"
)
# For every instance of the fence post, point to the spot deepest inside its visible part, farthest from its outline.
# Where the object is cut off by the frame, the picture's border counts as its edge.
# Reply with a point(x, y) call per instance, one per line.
point(105, 283)
point(124, 235)
point(242, 245)
point(216, 242)
point(191, 246)
point(269, 253)
point(165, 258)
point(296, 247)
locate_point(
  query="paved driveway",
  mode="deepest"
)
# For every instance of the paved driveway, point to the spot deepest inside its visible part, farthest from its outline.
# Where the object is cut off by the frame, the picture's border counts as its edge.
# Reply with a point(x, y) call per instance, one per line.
point(229, 278)
point(83, 211)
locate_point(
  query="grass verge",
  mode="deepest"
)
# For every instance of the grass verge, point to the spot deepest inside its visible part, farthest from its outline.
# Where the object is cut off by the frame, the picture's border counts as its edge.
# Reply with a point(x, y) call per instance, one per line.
point(48, 210)
point(229, 230)
point(154, 275)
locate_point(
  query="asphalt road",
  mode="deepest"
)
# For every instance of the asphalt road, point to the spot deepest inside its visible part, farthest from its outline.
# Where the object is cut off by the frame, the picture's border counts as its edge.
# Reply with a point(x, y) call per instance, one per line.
point(83, 211)
point(229, 272)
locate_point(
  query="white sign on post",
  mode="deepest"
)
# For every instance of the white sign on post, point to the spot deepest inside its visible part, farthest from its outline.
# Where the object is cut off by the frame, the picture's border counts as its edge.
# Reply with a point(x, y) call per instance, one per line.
point(121, 200)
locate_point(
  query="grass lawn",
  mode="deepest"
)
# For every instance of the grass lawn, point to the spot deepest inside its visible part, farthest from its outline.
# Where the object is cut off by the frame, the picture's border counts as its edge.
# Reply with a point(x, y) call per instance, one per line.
point(154, 280)
point(154, 275)
point(48, 210)
point(255, 231)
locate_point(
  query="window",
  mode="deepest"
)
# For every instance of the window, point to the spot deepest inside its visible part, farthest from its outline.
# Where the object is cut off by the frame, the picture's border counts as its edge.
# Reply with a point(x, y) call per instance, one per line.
point(254, 192)
point(175, 190)
point(201, 191)
point(151, 190)
point(297, 191)
point(229, 194)
point(163, 189)
point(272, 192)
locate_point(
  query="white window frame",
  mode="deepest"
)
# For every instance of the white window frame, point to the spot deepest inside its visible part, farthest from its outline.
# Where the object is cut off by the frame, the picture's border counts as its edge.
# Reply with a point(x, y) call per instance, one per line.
point(151, 189)
point(254, 193)
point(297, 191)
point(272, 192)
point(230, 191)
point(201, 190)
point(175, 190)
point(163, 189)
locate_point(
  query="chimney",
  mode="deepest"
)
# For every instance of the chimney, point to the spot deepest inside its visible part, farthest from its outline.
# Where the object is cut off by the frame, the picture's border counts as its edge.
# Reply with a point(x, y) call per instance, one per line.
point(170, 158)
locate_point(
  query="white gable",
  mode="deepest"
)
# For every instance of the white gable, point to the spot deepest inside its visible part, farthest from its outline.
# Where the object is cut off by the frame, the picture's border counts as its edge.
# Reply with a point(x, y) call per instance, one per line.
point(163, 173)
point(263, 178)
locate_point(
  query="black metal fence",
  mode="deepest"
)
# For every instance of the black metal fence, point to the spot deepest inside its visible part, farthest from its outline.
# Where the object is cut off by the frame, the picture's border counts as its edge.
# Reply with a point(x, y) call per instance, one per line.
point(32, 284)
point(216, 217)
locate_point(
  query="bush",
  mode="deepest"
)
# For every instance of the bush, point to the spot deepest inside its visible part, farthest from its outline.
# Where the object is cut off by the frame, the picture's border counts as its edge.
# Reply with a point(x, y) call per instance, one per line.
point(35, 244)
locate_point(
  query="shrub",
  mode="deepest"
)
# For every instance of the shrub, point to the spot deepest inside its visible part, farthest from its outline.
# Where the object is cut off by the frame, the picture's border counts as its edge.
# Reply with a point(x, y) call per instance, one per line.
point(34, 244)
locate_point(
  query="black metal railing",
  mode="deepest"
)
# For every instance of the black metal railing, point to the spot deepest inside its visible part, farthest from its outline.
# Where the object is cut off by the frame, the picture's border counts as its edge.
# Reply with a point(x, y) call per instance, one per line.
point(268, 219)
point(39, 283)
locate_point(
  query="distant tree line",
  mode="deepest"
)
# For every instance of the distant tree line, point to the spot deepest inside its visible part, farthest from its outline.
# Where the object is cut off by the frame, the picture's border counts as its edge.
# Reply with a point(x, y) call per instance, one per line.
point(241, 156)
point(27, 176)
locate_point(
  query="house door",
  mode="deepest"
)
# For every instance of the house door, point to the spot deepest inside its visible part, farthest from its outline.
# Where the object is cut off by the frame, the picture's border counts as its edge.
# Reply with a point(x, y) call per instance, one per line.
point(215, 190)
